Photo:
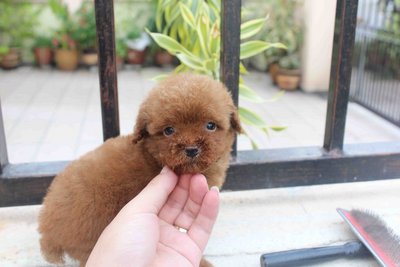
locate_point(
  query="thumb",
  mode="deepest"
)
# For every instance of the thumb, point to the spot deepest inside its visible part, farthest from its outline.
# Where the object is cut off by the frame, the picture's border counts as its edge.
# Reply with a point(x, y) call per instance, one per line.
point(153, 197)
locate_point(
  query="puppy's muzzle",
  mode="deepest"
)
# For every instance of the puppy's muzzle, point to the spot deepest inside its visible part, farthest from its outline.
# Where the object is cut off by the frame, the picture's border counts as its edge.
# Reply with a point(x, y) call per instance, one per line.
point(192, 151)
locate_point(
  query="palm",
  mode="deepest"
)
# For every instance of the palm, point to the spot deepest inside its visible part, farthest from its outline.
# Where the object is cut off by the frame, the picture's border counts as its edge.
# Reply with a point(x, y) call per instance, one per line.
point(145, 232)
point(183, 210)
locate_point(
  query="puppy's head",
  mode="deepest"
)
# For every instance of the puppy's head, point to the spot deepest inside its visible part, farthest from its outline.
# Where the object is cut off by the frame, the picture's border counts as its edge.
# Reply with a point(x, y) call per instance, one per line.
point(187, 122)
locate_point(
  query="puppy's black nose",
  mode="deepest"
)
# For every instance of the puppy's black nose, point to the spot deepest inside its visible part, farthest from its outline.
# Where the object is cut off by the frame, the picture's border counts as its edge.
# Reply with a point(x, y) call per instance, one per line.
point(192, 151)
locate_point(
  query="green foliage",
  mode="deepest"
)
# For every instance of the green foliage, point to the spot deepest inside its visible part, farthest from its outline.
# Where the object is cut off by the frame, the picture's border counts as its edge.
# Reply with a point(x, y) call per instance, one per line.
point(283, 26)
point(190, 30)
point(290, 62)
point(393, 24)
point(133, 33)
point(17, 21)
point(4, 49)
point(64, 37)
point(42, 41)
point(121, 48)
point(85, 32)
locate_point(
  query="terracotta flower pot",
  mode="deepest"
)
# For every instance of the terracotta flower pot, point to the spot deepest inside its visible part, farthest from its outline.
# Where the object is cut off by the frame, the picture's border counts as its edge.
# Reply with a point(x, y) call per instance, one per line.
point(43, 55)
point(66, 59)
point(163, 58)
point(136, 57)
point(12, 59)
point(288, 79)
point(89, 59)
point(273, 71)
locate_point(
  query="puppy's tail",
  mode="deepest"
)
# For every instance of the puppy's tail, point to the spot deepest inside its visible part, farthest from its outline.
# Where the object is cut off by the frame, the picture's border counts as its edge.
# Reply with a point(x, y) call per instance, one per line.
point(52, 253)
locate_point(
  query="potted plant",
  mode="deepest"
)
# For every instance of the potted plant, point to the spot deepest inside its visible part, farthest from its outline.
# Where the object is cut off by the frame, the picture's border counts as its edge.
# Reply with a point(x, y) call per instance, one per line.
point(66, 54)
point(137, 42)
point(283, 26)
point(288, 76)
point(85, 33)
point(16, 24)
point(10, 57)
point(160, 56)
point(42, 50)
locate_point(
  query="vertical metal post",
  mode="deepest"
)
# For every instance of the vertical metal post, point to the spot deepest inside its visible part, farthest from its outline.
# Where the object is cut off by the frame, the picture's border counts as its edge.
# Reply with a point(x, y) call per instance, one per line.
point(3, 144)
point(361, 67)
point(230, 49)
point(339, 87)
point(104, 11)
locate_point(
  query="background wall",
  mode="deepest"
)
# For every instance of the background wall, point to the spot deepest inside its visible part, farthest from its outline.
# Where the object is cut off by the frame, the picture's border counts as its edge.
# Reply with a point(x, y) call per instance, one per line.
point(319, 19)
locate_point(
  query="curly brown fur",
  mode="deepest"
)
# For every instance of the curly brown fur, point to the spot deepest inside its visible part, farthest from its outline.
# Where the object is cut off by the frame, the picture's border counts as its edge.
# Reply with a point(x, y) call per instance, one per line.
point(87, 195)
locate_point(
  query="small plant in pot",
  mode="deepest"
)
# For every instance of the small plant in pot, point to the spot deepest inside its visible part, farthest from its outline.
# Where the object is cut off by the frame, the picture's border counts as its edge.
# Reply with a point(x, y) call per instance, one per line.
point(42, 50)
point(137, 42)
point(85, 33)
point(66, 54)
point(17, 21)
point(10, 57)
point(288, 76)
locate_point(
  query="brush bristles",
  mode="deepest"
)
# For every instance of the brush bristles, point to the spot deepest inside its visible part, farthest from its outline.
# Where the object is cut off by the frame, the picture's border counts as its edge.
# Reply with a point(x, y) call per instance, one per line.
point(380, 232)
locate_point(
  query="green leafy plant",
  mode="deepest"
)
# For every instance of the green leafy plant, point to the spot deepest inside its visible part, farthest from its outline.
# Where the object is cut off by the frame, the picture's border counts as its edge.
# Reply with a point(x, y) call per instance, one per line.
point(17, 21)
point(42, 41)
point(85, 32)
point(63, 41)
point(190, 30)
point(283, 26)
point(290, 62)
point(64, 37)
point(4, 49)
point(121, 47)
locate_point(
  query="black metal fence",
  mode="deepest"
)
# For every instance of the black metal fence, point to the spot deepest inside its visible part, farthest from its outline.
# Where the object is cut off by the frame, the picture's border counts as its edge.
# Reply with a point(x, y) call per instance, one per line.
point(376, 61)
point(332, 162)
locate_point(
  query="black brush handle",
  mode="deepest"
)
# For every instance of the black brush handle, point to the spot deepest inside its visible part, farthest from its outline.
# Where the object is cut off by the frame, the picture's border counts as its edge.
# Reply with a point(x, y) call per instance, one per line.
point(304, 256)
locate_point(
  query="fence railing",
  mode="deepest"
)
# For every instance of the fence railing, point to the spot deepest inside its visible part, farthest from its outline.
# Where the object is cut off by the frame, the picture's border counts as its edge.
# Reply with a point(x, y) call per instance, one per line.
point(376, 62)
point(333, 162)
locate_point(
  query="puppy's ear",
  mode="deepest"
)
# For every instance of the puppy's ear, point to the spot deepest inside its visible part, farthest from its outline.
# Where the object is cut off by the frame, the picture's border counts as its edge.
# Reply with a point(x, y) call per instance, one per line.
point(235, 122)
point(140, 130)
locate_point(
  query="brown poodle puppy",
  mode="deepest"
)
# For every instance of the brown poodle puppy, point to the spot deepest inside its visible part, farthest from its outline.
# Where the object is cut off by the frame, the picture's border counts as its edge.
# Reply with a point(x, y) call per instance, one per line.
point(188, 123)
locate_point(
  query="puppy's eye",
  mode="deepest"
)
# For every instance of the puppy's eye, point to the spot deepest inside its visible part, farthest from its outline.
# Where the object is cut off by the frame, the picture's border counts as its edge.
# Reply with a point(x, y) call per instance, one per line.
point(211, 126)
point(168, 131)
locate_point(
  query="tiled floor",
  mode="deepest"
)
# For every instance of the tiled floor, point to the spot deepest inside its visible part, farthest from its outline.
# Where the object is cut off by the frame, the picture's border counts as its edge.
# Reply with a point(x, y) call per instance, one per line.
point(51, 115)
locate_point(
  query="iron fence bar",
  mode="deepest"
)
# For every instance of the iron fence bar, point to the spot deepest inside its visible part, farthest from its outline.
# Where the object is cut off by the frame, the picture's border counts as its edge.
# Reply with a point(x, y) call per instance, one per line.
point(361, 66)
point(104, 12)
point(313, 166)
point(26, 184)
point(3, 144)
point(230, 49)
point(345, 26)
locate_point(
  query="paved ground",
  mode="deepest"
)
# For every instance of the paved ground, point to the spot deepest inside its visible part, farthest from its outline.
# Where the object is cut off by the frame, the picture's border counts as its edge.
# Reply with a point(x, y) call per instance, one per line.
point(250, 223)
point(55, 116)
point(52, 115)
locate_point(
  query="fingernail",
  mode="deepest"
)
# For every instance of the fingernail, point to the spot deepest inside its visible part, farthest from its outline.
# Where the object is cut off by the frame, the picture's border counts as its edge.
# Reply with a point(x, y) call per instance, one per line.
point(165, 170)
point(215, 188)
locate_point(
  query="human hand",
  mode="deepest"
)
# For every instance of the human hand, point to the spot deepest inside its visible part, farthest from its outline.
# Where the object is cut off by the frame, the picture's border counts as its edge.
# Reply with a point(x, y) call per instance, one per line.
point(145, 232)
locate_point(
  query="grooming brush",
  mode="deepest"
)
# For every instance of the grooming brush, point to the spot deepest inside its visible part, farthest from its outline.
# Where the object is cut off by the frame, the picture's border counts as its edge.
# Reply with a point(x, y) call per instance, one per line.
point(376, 239)
point(380, 239)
